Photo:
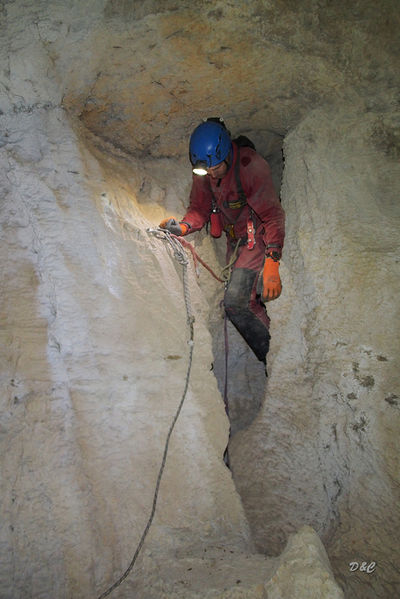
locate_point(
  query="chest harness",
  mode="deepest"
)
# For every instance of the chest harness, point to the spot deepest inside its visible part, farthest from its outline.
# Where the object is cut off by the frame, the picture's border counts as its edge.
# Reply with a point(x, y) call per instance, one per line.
point(237, 204)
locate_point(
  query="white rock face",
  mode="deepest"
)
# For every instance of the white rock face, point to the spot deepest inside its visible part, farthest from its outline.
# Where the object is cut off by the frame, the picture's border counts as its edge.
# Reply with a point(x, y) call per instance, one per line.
point(94, 359)
point(322, 449)
point(94, 349)
point(94, 356)
point(303, 570)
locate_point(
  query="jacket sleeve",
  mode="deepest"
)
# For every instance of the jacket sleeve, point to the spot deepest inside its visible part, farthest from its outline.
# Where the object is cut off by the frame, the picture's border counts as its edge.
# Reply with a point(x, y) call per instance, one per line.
point(262, 197)
point(200, 206)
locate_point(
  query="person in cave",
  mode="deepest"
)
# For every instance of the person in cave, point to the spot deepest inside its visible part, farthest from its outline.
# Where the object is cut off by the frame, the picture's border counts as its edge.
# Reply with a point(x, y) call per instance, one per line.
point(232, 189)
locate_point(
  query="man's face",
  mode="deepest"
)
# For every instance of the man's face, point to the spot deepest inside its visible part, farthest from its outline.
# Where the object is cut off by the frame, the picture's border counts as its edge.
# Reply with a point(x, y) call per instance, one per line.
point(218, 171)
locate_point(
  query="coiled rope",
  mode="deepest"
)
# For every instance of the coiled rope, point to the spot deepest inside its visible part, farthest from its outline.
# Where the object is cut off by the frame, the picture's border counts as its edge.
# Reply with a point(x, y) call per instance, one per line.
point(180, 256)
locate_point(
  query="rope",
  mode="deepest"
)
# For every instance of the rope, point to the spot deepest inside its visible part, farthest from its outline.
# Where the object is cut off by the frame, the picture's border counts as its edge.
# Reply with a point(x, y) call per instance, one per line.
point(196, 258)
point(226, 402)
point(181, 257)
point(227, 270)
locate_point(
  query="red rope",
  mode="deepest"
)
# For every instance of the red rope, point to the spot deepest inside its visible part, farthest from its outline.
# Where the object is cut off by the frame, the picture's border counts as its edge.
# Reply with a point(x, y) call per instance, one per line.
point(196, 257)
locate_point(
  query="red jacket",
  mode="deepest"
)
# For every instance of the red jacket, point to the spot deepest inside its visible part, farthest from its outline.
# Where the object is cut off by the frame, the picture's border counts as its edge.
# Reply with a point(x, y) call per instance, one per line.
point(255, 177)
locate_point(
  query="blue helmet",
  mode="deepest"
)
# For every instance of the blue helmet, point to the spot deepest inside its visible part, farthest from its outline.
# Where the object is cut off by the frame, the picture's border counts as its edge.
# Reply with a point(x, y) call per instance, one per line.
point(210, 144)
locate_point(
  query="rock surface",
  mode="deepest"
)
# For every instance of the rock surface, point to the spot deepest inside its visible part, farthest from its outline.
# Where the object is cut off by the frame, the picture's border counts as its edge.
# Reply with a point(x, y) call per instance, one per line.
point(94, 358)
point(322, 448)
point(302, 571)
point(97, 101)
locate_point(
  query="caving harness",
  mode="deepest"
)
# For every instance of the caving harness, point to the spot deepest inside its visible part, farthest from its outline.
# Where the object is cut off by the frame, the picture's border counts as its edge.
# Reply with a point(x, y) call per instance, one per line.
point(239, 203)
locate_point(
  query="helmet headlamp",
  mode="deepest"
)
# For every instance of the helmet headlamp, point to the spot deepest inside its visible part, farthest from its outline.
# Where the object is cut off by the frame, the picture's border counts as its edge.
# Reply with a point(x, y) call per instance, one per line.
point(200, 168)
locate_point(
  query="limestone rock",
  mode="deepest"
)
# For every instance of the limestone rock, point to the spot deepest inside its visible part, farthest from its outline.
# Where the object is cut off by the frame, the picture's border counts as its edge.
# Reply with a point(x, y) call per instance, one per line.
point(97, 101)
point(94, 357)
point(324, 454)
point(303, 570)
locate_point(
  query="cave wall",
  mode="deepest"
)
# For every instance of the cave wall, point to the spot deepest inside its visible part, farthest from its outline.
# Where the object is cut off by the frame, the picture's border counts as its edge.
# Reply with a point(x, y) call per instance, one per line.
point(323, 446)
point(94, 357)
point(97, 102)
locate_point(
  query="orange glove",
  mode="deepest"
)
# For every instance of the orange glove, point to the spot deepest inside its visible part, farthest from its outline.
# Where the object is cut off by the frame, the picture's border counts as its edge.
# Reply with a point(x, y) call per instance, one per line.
point(172, 225)
point(271, 281)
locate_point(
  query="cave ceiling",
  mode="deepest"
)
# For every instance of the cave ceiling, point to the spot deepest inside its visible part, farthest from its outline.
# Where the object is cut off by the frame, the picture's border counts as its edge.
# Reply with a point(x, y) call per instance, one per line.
point(147, 72)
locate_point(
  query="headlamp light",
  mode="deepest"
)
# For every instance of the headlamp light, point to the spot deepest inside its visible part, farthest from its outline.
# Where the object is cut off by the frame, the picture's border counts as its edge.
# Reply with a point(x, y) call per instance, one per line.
point(200, 168)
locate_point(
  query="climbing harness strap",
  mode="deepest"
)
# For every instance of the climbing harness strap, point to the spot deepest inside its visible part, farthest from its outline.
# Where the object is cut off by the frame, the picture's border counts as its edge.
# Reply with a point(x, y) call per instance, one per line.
point(242, 199)
point(237, 204)
point(181, 257)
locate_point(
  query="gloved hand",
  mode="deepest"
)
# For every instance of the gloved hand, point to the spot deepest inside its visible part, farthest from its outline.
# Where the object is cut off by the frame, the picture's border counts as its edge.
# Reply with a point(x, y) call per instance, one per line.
point(172, 225)
point(271, 281)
